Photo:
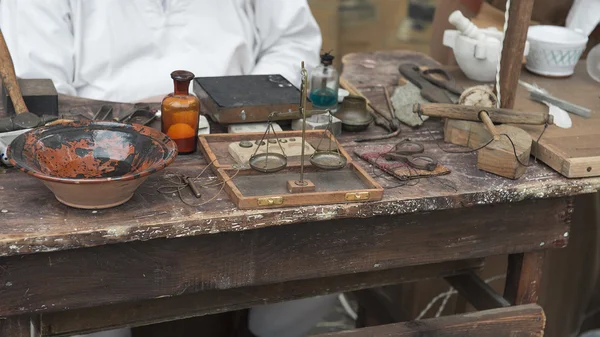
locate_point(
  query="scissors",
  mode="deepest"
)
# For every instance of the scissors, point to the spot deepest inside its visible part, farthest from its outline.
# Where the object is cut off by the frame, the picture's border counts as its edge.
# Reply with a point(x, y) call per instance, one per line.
point(435, 83)
point(409, 152)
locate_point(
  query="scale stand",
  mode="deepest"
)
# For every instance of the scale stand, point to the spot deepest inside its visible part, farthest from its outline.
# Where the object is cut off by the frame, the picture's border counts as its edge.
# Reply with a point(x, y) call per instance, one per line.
point(324, 159)
point(330, 159)
point(302, 185)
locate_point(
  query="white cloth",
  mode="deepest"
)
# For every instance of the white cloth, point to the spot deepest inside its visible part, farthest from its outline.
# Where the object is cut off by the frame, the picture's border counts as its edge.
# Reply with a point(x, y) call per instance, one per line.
point(125, 50)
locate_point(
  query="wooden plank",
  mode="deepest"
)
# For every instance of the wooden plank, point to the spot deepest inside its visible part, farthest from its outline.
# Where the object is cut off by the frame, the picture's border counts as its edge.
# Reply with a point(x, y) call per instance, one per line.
point(476, 291)
point(18, 326)
point(526, 320)
point(472, 113)
point(161, 268)
point(66, 323)
point(572, 155)
point(582, 167)
point(512, 51)
point(523, 277)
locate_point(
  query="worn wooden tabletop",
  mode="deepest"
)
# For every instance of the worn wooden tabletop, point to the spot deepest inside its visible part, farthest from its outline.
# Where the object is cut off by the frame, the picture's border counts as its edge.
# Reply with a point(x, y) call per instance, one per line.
point(32, 220)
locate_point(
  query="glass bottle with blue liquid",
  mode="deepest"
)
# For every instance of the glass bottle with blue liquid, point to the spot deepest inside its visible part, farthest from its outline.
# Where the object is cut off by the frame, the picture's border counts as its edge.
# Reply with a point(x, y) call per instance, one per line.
point(324, 85)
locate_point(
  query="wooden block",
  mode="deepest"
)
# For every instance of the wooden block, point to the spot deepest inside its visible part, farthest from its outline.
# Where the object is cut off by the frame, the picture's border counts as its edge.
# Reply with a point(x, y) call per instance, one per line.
point(39, 95)
point(465, 133)
point(233, 260)
point(499, 156)
point(294, 187)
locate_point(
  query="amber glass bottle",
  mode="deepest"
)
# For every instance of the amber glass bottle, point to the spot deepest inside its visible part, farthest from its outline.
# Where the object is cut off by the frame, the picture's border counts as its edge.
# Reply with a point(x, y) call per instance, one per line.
point(180, 113)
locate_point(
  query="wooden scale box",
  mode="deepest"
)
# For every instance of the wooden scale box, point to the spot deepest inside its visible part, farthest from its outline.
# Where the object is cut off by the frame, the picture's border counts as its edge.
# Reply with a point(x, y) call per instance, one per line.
point(287, 168)
point(252, 189)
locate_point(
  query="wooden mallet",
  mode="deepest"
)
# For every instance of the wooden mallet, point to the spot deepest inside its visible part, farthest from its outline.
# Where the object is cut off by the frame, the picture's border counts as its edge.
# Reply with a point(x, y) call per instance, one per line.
point(508, 147)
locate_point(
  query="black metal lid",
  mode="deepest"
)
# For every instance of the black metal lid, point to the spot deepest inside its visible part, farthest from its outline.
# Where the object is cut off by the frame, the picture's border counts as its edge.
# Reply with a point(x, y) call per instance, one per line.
point(327, 59)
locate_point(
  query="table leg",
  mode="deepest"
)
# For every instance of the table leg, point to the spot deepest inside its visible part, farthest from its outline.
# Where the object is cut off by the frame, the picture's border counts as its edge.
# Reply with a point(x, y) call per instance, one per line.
point(460, 307)
point(523, 277)
point(18, 326)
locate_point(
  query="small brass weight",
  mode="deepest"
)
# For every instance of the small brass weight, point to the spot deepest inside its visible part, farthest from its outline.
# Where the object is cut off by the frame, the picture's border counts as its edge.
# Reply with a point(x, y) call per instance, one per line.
point(329, 159)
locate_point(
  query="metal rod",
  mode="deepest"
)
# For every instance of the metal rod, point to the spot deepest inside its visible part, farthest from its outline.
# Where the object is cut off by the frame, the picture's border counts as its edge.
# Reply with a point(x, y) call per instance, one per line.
point(389, 103)
point(303, 112)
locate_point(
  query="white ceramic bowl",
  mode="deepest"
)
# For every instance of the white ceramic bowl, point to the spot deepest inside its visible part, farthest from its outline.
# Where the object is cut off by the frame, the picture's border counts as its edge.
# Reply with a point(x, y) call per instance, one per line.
point(555, 50)
point(478, 59)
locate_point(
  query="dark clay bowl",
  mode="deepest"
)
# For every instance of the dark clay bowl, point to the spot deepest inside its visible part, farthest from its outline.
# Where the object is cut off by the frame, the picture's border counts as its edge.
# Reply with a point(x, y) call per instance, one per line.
point(92, 164)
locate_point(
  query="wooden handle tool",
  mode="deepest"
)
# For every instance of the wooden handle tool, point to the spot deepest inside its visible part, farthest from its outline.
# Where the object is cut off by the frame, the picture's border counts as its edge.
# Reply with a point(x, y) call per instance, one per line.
point(9, 78)
point(352, 89)
point(471, 113)
point(485, 118)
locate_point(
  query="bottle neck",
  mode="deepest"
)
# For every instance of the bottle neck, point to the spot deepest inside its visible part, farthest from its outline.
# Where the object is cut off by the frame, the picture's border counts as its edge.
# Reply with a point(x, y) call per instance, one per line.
point(181, 88)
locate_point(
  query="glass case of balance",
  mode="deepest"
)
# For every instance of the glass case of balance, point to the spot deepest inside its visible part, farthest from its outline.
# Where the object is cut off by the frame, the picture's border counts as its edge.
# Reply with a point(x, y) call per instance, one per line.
point(287, 168)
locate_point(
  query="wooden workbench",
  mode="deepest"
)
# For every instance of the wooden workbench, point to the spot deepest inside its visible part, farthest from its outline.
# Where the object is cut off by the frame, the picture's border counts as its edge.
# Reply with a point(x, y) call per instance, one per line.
point(155, 259)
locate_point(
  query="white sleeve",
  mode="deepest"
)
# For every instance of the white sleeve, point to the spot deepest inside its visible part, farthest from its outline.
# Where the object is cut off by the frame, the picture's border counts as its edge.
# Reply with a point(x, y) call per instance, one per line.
point(40, 39)
point(288, 34)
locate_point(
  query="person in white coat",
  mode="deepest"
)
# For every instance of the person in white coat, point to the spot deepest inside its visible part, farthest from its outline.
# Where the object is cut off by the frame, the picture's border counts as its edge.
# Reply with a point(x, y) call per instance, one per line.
point(124, 51)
